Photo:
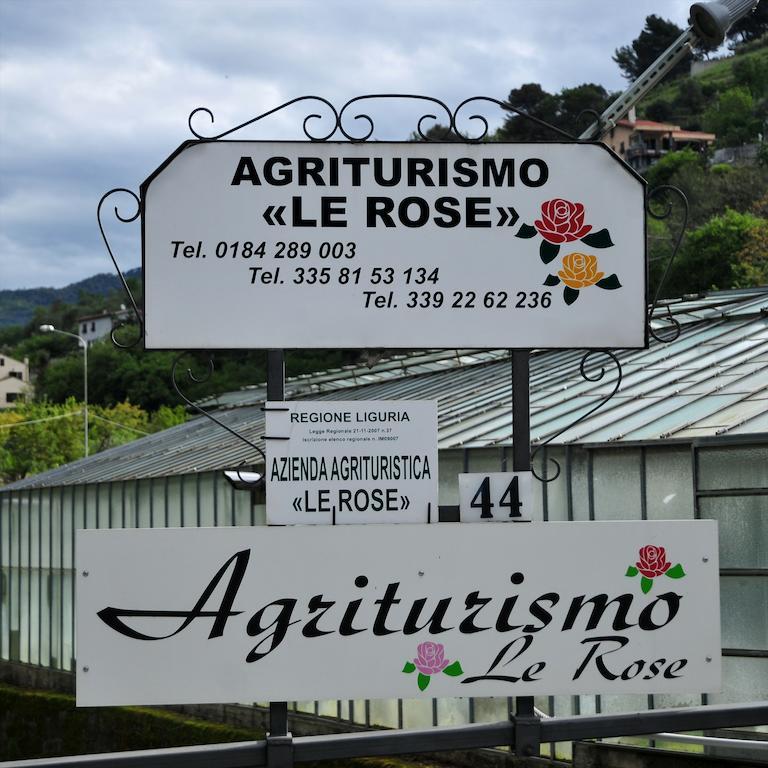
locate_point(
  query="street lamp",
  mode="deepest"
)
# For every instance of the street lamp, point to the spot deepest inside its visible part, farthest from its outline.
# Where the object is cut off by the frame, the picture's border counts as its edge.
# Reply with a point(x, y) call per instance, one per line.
point(50, 329)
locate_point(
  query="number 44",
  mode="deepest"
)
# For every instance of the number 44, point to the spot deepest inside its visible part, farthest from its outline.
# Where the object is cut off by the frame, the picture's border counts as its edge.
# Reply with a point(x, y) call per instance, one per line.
point(495, 497)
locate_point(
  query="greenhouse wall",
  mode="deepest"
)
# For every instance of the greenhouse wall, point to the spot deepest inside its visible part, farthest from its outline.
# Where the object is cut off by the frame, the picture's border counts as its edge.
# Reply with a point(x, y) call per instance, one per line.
point(722, 480)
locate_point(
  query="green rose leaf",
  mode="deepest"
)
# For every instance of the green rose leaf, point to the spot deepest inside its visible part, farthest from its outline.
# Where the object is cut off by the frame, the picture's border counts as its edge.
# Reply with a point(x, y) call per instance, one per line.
point(610, 283)
point(423, 682)
point(454, 670)
point(570, 294)
point(409, 667)
point(646, 584)
point(552, 280)
point(601, 239)
point(632, 571)
point(526, 231)
point(548, 251)
point(676, 572)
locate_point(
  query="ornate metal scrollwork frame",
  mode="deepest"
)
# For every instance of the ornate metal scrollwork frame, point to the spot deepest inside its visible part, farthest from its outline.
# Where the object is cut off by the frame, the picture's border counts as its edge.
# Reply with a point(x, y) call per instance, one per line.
point(587, 376)
point(125, 220)
point(201, 380)
point(339, 119)
point(662, 194)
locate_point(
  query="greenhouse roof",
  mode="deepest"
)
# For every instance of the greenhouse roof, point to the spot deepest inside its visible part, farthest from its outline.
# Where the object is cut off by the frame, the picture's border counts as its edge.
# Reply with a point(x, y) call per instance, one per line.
point(712, 380)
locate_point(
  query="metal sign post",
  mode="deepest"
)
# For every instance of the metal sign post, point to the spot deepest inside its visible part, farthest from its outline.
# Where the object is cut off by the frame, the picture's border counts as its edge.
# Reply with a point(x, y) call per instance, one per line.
point(278, 710)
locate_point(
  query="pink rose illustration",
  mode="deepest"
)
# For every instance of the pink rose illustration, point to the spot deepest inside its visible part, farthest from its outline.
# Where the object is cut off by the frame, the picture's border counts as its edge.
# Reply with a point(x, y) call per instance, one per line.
point(652, 562)
point(561, 221)
point(430, 660)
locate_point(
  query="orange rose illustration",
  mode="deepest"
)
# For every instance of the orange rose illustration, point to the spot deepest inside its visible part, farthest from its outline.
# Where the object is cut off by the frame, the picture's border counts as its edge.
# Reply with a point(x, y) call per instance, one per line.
point(579, 270)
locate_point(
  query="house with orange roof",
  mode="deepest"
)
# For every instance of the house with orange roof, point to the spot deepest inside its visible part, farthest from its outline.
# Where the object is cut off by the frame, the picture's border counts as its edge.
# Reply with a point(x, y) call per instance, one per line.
point(640, 143)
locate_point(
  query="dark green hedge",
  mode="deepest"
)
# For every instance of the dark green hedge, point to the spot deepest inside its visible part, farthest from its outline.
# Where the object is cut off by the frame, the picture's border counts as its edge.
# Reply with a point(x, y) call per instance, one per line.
point(44, 724)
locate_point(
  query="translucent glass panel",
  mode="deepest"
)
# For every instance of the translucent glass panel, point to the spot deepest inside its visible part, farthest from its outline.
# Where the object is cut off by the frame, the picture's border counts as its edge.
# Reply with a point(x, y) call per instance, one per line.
point(617, 484)
point(486, 460)
point(190, 507)
point(357, 711)
point(452, 711)
point(556, 491)
point(669, 484)
point(451, 466)
point(174, 502)
point(743, 529)
point(144, 505)
point(207, 495)
point(417, 713)
point(579, 481)
point(744, 680)
point(733, 467)
point(242, 507)
point(384, 712)
point(491, 710)
point(744, 612)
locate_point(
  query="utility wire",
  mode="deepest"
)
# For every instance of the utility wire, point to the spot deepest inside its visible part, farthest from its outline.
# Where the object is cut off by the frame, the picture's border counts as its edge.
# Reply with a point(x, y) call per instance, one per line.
point(68, 415)
point(38, 421)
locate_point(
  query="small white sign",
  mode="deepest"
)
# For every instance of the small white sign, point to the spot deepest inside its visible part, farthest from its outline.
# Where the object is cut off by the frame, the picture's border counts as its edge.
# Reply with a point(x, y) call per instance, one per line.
point(397, 245)
point(193, 615)
point(495, 497)
point(356, 461)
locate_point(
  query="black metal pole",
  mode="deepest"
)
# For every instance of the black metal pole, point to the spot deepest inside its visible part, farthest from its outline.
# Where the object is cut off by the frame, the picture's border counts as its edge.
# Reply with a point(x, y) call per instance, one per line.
point(279, 741)
point(527, 725)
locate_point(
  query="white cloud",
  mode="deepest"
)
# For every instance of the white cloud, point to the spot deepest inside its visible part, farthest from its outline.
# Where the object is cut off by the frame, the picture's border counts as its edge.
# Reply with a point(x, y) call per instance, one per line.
point(96, 94)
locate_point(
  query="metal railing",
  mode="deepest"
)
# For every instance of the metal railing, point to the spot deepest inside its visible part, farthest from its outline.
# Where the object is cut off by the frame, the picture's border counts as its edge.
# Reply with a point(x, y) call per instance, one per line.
point(523, 734)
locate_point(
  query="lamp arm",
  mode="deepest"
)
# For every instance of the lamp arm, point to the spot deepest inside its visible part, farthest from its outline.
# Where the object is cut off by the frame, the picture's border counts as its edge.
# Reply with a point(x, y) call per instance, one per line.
point(710, 21)
point(615, 111)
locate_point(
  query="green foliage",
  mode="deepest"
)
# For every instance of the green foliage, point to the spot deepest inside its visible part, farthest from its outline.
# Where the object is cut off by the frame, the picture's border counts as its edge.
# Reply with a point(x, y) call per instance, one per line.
point(656, 36)
point(751, 72)
point(564, 110)
point(733, 117)
point(684, 100)
point(54, 433)
point(711, 255)
point(665, 170)
point(752, 26)
point(710, 190)
point(43, 724)
point(36, 724)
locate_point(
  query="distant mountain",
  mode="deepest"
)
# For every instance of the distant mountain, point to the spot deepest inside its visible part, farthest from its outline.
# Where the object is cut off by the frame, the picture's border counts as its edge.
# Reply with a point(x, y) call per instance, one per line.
point(18, 306)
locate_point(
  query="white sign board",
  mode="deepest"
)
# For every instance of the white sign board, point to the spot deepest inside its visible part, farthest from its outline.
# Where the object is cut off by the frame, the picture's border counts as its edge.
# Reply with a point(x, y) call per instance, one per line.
point(495, 497)
point(397, 245)
point(356, 461)
point(192, 615)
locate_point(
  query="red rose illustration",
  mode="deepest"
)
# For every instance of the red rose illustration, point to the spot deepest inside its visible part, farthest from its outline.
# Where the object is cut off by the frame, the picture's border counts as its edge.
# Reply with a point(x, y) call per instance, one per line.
point(653, 561)
point(561, 221)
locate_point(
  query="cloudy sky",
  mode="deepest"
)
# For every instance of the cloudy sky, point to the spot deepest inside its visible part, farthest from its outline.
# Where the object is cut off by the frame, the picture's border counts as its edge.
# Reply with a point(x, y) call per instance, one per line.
point(95, 94)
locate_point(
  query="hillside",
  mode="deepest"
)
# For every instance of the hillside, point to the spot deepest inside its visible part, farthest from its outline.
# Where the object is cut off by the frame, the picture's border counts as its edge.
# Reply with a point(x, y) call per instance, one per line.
point(684, 100)
point(17, 307)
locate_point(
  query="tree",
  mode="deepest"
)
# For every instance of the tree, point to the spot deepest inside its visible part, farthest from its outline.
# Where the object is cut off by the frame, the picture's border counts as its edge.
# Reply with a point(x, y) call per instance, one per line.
point(533, 100)
point(657, 35)
point(732, 117)
point(36, 437)
point(751, 26)
point(710, 257)
point(566, 110)
point(752, 73)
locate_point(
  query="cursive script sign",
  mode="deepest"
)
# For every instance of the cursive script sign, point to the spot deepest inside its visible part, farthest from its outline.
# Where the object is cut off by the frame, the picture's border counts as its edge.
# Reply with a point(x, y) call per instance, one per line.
point(194, 615)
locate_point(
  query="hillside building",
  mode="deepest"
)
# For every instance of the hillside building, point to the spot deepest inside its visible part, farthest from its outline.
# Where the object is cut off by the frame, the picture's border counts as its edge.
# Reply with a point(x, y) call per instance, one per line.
point(641, 143)
point(14, 381)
